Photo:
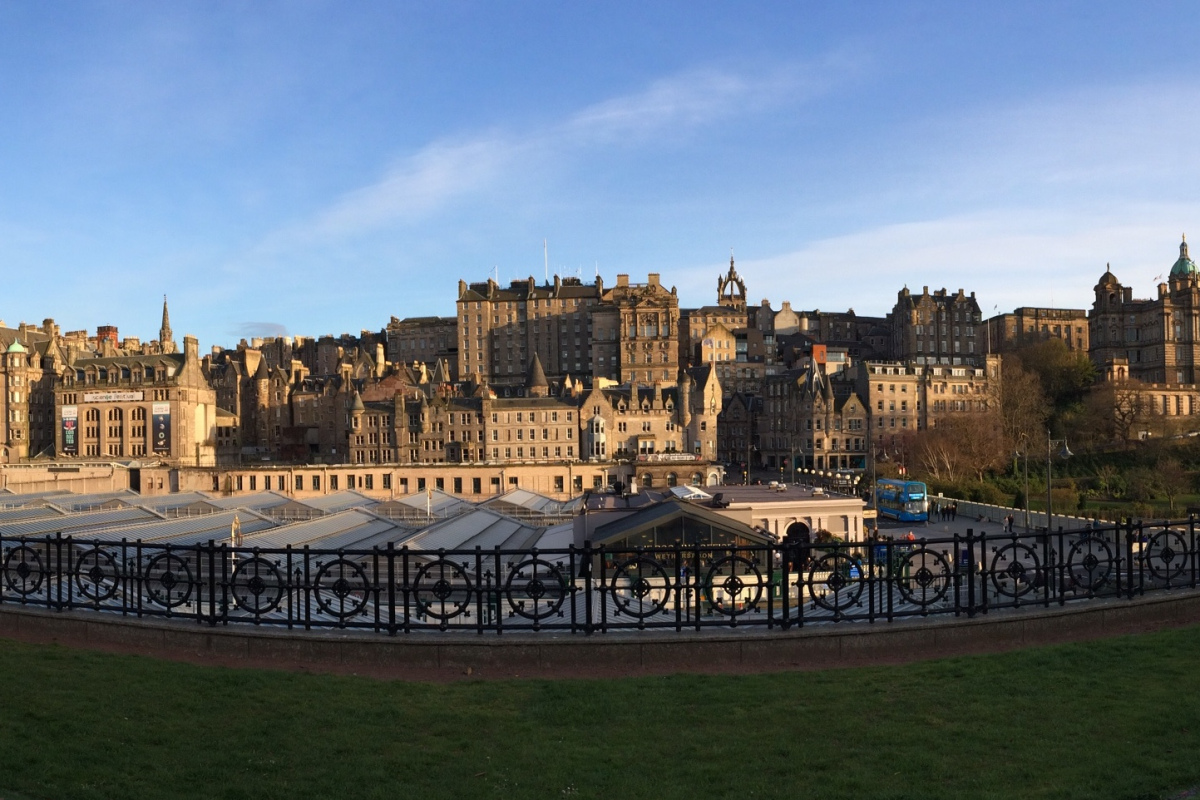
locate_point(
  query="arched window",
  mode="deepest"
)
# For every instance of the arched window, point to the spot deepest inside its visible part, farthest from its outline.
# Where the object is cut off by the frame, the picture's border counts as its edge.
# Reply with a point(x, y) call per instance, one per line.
point(672, 479)
point(647, 480)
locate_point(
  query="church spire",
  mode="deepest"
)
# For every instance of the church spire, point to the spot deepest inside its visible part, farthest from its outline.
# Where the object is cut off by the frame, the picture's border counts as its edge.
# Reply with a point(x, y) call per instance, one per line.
point(165, 338)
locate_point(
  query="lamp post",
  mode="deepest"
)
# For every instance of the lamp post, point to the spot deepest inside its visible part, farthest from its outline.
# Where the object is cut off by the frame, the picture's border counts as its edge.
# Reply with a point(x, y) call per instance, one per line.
point(1023, 453)
point(1064, 454)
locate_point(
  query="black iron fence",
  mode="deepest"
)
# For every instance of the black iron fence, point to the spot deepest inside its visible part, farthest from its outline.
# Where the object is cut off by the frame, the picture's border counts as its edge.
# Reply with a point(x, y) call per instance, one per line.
point(597, 589)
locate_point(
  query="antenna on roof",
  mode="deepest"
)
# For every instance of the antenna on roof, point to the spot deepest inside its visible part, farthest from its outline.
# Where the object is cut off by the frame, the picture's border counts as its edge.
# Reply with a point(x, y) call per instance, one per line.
point(546, 258)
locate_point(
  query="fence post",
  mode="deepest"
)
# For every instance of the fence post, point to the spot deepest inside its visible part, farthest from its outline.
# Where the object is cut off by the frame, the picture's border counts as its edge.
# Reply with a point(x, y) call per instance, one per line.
point(585, 572)
point(784, 590)
point(958, 560)
point(57, 573)
point(1192, 545)
point(391, 579)
point(1129, 558)
point(970, 572)
point(983, 580)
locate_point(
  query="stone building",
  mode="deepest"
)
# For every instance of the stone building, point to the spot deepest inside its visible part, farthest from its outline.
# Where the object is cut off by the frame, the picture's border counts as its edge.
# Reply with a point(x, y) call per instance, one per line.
point(813, 419)
point(863, 338)
point(646, 320)
point(137, 406)
point(937, 328)
point(666, 430)
point(738, 433)
point(29, 367)
point(738, 340)
point(500, 329)
point(587, 331)
point(1154, 341)
point(816, 417)
point(426, 339)
point(1027, 325)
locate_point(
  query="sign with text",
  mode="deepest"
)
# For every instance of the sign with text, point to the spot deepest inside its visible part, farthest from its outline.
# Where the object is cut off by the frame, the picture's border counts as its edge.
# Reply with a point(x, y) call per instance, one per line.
point(161, 420)
point(666, 457)
point(112, 397)
point(70, 430)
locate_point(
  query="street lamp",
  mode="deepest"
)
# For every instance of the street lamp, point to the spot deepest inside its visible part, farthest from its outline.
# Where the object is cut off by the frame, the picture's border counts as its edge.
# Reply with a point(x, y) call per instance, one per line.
point(1023, 453)
point(1064, 454)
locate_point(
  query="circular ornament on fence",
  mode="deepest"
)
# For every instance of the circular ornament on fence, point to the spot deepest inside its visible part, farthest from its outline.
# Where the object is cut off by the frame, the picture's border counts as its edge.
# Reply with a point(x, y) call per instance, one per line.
point(741, 583)
point(1166, 555)
point(1016, 570)
point(640, 586)
point(23, 570)
point(257, 586)
point(97, 574)
point(535, 589)
point(925, 576)
point(168, 580)
point(1090, 563)
point(835, 590)
point(442, 589)
point(341, 588)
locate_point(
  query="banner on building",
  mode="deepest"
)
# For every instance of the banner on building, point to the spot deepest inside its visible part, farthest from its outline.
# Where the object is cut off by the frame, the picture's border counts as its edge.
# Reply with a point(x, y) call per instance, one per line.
point(113, 397)
point(70, 430)
point(161, 414)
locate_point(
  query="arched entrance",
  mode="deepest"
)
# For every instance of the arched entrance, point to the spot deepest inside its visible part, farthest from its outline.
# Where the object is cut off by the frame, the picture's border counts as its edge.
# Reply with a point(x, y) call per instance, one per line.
point(797, 544)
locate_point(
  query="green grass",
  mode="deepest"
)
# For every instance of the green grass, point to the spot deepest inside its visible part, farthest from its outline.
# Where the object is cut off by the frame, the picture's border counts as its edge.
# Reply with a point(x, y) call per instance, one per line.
point(1112, 719)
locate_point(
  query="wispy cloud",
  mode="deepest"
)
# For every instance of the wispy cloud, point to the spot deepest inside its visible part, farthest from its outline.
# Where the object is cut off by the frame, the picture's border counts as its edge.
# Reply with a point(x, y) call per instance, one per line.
point(255, 330)
point(686, 101)
point(418, 185)
point(445, 171)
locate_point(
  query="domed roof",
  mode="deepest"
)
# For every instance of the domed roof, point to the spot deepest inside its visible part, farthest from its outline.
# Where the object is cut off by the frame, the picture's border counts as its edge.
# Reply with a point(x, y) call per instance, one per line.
point(1184, 267)
point(16, 347)
point(1107, 281)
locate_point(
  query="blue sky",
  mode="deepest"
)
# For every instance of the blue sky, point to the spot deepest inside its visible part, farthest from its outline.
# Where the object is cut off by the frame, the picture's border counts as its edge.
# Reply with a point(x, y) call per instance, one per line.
point(310, 168)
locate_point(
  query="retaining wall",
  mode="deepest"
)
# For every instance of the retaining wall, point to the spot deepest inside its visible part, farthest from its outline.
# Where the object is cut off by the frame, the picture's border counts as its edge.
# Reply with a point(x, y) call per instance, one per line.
point(443, 657)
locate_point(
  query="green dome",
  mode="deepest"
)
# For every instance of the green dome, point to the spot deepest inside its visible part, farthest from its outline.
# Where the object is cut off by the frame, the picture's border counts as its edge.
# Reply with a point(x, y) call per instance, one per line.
point(16, 347)
point(1184, 267)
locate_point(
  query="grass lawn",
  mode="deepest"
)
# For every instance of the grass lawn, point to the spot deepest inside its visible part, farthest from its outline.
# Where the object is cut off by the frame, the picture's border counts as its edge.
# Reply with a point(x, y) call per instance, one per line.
point(1112, 719)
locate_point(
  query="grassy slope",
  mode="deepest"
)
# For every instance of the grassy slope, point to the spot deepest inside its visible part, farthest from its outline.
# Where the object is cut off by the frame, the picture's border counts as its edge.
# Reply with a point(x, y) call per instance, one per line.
point(1119, 718)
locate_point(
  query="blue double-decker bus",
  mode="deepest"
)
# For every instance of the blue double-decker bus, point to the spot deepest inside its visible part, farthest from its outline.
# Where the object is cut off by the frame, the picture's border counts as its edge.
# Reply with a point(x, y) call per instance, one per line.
point(905, 501)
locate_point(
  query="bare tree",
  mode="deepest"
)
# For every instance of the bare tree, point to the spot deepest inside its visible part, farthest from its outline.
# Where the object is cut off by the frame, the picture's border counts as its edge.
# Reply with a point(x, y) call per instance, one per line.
point(1114, 411)
point(1172, 480)
point(968, 443)
point(1022, 401)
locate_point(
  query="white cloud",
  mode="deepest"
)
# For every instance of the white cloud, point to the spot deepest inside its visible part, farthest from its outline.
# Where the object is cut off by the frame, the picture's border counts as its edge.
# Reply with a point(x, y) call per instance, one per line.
point(1008, 258)
point(418, 186)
